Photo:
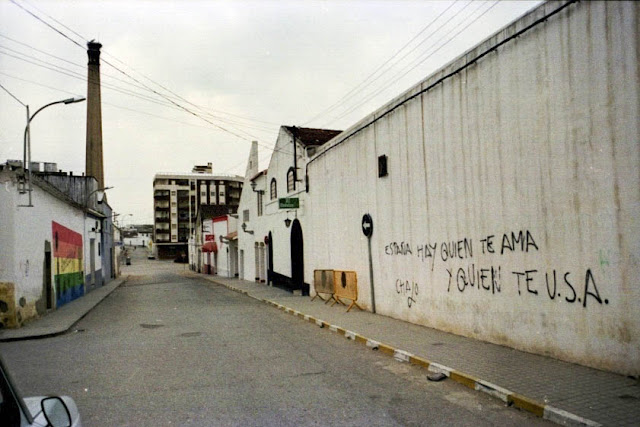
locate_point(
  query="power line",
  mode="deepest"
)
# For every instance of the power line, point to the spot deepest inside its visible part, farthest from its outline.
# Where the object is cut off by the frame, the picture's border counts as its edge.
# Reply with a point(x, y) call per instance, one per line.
point(124, 81)
point(132, 109)
point(364, 97)
point(357, 87)
point(82, 66)
point(123, 72)
point(418, 61)
point(73, 74)
point(165, 97)
point(48, 25)
point(12, 95)
point(110, 104)
point(55, 20)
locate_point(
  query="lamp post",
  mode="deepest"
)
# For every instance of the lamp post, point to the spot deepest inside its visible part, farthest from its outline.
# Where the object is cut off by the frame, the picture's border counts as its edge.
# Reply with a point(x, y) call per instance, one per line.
point(99, 197)
point(123, 217)
point(26, 154)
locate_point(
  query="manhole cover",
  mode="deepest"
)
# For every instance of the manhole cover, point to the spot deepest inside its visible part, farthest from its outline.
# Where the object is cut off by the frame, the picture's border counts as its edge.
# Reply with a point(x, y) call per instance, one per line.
point(150, 326)
point(628, 397)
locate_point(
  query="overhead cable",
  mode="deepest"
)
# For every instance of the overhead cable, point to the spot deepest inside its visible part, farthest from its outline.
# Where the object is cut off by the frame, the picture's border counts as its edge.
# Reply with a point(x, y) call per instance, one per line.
point(420, 60)
point(12, 95)
point(359, 85)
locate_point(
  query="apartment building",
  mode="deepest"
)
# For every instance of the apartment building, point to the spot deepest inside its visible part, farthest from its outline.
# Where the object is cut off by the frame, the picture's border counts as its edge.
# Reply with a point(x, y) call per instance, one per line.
point(177, 198)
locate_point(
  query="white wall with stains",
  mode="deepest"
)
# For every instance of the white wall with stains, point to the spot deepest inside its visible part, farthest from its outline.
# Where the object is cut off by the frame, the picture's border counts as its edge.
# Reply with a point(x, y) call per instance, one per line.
point(23, 233)
point(510, 210)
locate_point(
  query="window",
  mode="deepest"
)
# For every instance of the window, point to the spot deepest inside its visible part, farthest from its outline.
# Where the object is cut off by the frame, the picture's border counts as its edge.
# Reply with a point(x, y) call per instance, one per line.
point(382, 166)
point(274, 189)
point(173, 204)
point(291, 183)
point(173, 192)
point(245, 216)
point(259, 204)
point(174, 226)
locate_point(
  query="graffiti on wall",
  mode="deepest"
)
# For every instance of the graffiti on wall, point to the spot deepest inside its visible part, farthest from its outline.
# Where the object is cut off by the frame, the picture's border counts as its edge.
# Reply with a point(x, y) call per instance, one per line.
point(464, 274)
point(67, 261)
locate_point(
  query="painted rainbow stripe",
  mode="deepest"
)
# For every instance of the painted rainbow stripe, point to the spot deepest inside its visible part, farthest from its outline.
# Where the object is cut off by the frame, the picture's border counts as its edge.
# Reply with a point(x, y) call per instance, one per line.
point(67, 261)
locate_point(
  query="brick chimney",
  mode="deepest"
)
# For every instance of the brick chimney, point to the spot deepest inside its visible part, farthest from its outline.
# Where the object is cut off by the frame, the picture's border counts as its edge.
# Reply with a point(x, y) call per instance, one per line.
point(93, 158)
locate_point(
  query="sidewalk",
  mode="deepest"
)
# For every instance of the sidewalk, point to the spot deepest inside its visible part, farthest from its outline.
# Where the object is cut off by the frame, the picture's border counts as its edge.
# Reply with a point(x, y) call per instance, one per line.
point(61, 320)
point(562, 392)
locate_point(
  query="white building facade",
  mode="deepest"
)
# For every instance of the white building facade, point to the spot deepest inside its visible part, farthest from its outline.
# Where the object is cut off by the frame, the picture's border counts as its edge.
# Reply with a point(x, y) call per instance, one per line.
point(272, 211)
point(41, 250)
point(504, 191)
point(219, 246)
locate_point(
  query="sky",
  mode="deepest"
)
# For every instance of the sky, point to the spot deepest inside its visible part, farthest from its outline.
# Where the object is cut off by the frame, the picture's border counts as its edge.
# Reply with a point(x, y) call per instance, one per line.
point(195, 81)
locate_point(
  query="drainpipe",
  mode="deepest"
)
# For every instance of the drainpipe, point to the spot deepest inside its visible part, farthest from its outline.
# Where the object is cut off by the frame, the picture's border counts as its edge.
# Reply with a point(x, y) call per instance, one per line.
point(295, 158)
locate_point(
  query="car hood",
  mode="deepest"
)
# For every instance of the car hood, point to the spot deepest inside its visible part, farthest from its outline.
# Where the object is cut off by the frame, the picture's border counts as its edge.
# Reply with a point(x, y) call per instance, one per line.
point(39, 420)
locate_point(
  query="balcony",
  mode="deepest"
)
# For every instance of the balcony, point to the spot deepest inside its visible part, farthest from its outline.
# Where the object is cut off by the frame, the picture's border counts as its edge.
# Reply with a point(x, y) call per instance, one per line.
point(164, 239)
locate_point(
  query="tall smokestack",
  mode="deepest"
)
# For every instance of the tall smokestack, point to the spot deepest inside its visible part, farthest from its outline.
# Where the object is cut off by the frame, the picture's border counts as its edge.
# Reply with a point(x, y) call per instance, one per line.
point(93, 159)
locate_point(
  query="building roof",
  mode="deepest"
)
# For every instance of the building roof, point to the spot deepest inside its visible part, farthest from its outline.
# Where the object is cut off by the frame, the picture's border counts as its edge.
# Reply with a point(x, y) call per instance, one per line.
point(212, 211)
point(204, 176)
point(311, 136)
point(259, 174)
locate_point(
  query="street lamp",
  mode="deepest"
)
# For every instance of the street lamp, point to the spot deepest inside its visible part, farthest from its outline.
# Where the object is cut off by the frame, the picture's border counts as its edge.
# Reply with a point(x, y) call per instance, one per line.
point(123, 217)
point(244, 228)
point(253, 187)
point(99, 196)
point(26, 153)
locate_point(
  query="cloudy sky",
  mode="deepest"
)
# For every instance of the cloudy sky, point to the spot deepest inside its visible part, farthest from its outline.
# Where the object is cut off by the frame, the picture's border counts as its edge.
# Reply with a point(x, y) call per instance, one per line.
point(191, 82)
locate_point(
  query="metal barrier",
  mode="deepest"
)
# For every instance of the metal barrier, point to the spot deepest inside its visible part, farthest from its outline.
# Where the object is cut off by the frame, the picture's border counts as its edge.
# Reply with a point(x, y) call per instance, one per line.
point(345, 286)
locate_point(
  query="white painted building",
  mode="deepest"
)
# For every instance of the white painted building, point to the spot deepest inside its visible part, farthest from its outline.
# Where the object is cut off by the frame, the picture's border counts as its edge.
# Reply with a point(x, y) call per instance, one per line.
point(55, 250)
point(504, 191)
point(271, 238)
point(139, 238)
point(34, 253)
point(219, 246)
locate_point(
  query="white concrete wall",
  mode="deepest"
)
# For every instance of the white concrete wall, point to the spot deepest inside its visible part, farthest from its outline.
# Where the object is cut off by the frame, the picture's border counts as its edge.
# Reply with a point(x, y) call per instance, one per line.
point(538, 141)
point(225, 257)
point(247, 241)
point(272, 218)
point(93, 232)
point(142, 239)
point(23, 232)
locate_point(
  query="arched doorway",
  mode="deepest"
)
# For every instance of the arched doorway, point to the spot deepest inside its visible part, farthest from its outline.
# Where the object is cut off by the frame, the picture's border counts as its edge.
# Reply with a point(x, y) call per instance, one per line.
point(270, 261)
point(297, 258)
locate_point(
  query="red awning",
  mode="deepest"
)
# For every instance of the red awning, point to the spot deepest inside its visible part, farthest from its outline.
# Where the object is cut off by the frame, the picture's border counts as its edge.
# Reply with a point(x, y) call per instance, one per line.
point(210, 247)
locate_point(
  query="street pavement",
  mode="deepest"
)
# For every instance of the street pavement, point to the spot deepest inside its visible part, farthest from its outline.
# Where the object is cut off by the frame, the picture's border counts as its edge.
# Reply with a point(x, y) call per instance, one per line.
point(170, 349)
point(565, 393)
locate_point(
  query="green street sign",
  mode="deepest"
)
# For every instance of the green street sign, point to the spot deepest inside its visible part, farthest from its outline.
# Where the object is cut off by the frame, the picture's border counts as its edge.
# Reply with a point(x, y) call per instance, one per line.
point(289, 203)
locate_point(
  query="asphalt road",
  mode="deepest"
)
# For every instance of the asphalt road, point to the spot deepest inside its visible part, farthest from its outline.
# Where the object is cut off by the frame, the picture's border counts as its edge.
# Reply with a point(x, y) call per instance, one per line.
point(166, 350)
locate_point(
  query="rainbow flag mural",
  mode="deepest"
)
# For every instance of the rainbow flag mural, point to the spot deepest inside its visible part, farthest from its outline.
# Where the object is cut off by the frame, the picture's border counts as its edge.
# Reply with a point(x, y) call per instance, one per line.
point(67, 261)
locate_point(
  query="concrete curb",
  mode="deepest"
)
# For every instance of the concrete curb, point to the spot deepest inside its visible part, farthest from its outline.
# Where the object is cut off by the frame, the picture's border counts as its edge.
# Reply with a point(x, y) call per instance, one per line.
point(510, 398)
point(66, 326)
